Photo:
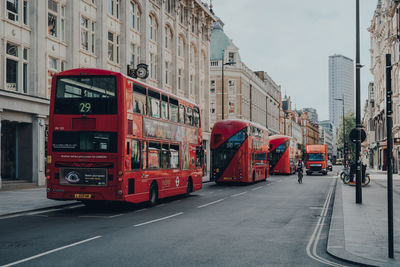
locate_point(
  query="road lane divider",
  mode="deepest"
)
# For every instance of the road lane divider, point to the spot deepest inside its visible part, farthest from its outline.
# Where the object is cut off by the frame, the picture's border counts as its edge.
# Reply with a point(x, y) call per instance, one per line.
point(239, 194)
point(208, 204)
point(160, 219)
point(254, 189)
point(312, 245)
point(51, 251)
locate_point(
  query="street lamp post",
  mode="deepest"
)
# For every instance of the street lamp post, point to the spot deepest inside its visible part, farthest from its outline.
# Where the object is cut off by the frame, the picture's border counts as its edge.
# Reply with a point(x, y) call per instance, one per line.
point(222, 87)
point(344, 128)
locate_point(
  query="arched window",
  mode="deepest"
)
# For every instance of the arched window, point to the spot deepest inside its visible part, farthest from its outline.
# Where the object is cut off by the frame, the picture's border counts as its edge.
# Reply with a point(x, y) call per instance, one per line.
point(181, 46)
point(134, 15)
point(168, 37)
point(152, 28)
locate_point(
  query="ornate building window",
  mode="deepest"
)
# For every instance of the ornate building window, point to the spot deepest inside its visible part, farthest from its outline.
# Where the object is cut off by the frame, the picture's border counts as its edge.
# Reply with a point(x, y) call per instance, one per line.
point(52, 18)
point(12, 62)
point(152, 28)
point(180, 79)
point(134, 16)
point(113, 47)
point(134, 49)
point(181, 45)
point(168, 38)
point(113, 8)
point(153, 66)
point(12, 10)
point(87, 34)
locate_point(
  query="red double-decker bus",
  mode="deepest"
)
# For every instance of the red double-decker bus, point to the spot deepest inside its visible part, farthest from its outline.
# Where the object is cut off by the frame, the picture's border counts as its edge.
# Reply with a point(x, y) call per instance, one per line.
point(282, 155)
point(116, 139)
point(238, 152)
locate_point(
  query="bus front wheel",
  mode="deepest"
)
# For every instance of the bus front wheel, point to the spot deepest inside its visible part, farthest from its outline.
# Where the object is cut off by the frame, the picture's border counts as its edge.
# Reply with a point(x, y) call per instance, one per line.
point(153, 195)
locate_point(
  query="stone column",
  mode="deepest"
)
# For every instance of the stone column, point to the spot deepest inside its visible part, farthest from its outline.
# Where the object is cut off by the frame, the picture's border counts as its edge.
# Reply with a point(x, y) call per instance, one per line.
point(38, 56)
point(101, 34)
point(38, 143)
point(125, 36)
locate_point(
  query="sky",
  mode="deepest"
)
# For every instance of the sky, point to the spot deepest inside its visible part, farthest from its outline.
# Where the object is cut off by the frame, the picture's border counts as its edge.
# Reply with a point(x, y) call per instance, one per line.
point(292, 40)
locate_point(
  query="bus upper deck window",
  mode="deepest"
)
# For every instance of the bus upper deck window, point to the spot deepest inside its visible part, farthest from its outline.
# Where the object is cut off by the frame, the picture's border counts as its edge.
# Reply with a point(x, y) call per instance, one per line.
point(189, 116)
point(173, 110)
point(182, 114)
point(154, 104)
point(196, 116)
point(139, 100)
point(164, 107)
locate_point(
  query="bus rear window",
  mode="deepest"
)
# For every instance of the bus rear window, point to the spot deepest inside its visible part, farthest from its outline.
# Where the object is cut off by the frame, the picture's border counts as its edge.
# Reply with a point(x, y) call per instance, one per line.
point(84, 142)
point(86, 95)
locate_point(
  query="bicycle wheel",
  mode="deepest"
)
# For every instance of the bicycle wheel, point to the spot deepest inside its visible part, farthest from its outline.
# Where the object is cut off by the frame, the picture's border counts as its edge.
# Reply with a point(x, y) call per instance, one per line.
point(367, 180)
point(346, 179)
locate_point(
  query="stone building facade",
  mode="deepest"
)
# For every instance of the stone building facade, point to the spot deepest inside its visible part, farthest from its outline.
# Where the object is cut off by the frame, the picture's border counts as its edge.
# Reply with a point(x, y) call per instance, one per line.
point(41, 37)
point(384, 36)
point(310, 131)
point(247, 94)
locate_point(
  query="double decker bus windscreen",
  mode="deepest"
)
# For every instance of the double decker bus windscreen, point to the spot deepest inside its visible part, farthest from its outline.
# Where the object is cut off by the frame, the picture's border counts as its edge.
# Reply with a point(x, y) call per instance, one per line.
point(86, 94)
point(223, 155)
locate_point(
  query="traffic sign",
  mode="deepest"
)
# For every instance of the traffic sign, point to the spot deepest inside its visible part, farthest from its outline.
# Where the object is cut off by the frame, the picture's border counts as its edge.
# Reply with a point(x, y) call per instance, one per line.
point(353, 135)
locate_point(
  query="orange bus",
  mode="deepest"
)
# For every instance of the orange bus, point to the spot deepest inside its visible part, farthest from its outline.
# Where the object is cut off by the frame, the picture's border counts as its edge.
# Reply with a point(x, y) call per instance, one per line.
point(239, 152)
point(316, 159)
point(116, 139)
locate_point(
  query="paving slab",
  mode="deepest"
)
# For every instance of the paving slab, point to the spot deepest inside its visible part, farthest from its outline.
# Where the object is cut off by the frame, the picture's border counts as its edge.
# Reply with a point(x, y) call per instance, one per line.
point(358, 233)
point(16, 201)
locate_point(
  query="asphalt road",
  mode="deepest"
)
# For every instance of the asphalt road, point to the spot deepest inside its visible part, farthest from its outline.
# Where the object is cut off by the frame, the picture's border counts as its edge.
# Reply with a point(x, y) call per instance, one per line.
point(278, 222)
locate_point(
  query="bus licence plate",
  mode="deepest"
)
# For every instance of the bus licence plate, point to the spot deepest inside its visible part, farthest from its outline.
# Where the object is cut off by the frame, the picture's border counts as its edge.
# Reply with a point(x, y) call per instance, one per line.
point(83, 195)
point(227, 178)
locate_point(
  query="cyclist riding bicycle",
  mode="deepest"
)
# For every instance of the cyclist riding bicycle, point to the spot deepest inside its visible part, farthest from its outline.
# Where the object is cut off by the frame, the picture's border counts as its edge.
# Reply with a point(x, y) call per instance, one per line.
point(299, 169)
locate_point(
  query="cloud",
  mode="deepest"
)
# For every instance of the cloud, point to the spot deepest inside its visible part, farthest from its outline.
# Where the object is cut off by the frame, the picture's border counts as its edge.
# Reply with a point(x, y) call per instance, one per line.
point(292, 41)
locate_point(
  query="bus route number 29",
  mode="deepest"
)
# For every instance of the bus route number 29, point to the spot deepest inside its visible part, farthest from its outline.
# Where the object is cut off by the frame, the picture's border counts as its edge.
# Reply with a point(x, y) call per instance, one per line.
point(85, 107)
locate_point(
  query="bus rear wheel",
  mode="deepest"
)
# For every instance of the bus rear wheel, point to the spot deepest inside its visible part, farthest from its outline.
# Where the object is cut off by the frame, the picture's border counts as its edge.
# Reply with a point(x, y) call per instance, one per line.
point(153, 195)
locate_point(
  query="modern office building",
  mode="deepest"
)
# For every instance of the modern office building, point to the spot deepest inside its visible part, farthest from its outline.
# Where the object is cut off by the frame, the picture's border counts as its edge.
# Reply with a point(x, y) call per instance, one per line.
point(341, 85)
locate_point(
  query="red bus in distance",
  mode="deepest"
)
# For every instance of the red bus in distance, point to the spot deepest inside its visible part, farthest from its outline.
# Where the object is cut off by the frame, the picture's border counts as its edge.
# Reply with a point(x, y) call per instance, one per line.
point(238, 152)
point(116, 139)
point(282, 155)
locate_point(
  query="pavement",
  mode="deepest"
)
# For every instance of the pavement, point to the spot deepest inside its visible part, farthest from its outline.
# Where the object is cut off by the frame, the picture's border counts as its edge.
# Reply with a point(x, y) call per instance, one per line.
point(23, 200)
point(357, 234)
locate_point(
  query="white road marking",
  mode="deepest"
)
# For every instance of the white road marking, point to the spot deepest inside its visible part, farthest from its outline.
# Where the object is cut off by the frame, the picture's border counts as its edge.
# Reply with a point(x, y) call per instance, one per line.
point(208, 204)
point(50, 251)
point(158, 206)
point(315, 237)
point(160, 219)
point(37, 212)
point(76, 206)
point(43, 211)
point(239, 194)
point(141, 210)
point(254, 189)
point(92, 216)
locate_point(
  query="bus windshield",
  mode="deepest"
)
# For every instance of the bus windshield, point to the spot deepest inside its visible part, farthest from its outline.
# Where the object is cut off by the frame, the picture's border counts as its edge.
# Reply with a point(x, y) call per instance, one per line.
point(315, 157)
point(86, 94)
point(222, 155)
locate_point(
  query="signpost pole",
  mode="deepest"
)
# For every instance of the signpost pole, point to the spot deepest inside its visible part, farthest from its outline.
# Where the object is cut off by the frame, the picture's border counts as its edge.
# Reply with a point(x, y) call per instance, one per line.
point(389, 151)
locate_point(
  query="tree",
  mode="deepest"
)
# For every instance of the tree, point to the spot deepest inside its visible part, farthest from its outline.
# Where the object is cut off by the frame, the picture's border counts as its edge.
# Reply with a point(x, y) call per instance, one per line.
point(350, 123)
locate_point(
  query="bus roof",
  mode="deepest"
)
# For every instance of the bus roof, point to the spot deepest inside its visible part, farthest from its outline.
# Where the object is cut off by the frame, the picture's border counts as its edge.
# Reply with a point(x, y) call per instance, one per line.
point(241, 122)
point(94, 71)
point(279, 136)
